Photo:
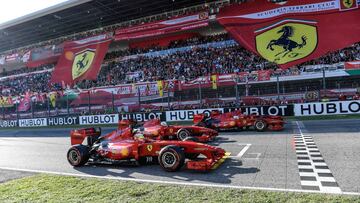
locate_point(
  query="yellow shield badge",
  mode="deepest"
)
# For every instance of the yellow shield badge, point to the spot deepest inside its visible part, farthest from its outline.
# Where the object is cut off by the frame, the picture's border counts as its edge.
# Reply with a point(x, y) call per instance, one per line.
point(149, 148)
point(288, 42)
point(348, 3)
point(82, 62)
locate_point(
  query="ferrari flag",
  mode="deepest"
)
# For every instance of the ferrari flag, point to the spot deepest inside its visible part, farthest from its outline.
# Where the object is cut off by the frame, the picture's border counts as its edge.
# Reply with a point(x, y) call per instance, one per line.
point(294, 32)
point(81, 60)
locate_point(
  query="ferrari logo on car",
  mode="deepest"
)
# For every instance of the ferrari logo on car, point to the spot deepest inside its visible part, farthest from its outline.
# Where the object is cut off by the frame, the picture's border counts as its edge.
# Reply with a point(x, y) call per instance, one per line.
point(82, 62)
point(348, 3)
point(287, 42)
point(149, 148)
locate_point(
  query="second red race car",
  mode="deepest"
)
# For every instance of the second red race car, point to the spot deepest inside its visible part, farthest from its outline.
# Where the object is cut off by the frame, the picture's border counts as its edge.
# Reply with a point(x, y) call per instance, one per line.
point(155, 129)
point(237, 121)
point(128, 145)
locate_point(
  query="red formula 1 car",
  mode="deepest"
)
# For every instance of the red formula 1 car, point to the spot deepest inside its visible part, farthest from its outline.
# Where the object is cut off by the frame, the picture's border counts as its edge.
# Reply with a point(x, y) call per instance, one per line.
point(155, 129)
point(236, 121)
point(129, 146)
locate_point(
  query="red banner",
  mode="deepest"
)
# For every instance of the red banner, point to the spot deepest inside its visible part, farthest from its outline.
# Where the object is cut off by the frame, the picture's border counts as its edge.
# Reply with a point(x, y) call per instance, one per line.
point(226, 79)
point(81, 60)
point(25, 103)
point(163, 27)
point(294, 32)
point(352, 65)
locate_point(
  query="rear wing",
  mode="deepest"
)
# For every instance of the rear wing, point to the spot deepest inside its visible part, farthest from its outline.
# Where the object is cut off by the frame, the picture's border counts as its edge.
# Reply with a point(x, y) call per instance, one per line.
point(78, 136)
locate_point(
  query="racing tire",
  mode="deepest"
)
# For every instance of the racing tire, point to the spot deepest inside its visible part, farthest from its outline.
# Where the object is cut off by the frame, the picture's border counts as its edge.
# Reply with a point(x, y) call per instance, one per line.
point(171, 158)
point(260, 125)
point(78, 155)
point(182, 134)
point(192, 139)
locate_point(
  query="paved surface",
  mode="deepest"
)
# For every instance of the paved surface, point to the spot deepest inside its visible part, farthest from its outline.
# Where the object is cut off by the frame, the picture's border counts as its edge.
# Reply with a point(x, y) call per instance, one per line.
point(266, 159)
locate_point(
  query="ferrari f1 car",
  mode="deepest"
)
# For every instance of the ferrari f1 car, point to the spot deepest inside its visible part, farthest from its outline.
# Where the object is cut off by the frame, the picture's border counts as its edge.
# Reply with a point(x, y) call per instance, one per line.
point(155, 129)
point(129, 146)
point(236, 121)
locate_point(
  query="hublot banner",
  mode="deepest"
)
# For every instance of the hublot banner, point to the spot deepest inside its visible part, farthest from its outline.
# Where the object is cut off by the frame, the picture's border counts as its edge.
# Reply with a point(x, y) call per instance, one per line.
point(328, 108)
point(141, 117)
point(8, 123)
point(60, 121)
point(99, 119)
point(281, 110)
point(35, 122)
point(187, 115)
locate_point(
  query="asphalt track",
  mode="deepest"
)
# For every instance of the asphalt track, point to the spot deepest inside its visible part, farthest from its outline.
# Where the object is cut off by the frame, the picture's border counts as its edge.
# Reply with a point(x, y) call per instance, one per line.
point(258, 160)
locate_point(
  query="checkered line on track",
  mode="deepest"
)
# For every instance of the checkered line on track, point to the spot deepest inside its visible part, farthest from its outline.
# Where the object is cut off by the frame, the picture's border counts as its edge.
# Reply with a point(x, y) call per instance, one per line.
point(314, 172)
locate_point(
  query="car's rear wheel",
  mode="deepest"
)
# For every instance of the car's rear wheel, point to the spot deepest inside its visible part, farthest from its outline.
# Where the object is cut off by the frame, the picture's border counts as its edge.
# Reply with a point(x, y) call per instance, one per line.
point(260, 125)
point(182, 134)
point(171, 158)
point(78, 155)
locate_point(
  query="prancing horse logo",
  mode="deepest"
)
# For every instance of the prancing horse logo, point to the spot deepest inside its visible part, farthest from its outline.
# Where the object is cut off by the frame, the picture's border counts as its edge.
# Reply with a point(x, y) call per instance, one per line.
point(82, 62)
point(287, 42)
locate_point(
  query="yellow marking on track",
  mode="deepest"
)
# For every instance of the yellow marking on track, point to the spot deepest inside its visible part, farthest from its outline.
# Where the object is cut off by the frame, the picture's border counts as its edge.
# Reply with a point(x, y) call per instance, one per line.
point(215, 166)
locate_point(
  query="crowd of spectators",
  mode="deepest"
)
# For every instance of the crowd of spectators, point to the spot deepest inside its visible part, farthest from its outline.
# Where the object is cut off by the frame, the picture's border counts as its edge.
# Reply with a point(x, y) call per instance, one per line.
point(185, 65)
point(5, 72)
point(32, 82)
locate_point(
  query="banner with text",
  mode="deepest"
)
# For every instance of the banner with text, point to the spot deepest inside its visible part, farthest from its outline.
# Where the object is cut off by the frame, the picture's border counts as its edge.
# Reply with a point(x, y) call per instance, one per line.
point(163, 27)
point(99, 119)
point(294, 32)
point(327, 108)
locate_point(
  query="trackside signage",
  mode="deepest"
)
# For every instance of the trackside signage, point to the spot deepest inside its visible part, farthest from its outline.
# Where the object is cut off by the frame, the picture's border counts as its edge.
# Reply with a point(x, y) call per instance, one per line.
point(141, 117)
point(60, 121)
point(281, 110)
point(99, 119)
point(328, 108)
point(35, 122)
point(187, 115)
point(8, 123)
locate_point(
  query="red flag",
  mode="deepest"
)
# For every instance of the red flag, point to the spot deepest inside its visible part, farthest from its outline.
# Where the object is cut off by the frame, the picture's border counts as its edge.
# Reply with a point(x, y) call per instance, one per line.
point(25, 103)
point(81, 60)
point(295, 32)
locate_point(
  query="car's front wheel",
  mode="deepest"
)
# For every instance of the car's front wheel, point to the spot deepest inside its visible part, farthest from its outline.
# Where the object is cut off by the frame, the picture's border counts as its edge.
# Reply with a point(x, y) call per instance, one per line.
point(78, 155)
point(260, 125)
point(171, 158)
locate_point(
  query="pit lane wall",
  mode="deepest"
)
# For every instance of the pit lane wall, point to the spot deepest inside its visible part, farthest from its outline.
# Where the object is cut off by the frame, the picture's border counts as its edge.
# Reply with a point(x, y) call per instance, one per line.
point(306, 109)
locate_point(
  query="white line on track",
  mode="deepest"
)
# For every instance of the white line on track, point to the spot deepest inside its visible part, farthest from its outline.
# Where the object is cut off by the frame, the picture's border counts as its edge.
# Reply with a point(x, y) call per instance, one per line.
point(242, 152)
point(173, 182)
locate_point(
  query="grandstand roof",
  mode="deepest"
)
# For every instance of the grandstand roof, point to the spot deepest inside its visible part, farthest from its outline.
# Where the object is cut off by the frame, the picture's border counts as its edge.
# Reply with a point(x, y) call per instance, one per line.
point(81, 15)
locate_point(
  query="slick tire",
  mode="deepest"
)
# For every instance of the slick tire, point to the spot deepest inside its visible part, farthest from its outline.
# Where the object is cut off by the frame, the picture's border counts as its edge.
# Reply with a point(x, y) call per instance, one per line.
point(171, 158)
point(78, 155)
point(260, 125)
point(182, 134)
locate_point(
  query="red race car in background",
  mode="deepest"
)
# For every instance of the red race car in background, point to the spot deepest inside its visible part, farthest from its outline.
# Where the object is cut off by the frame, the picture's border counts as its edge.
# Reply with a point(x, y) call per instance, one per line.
point(128, 145)
point(236, 121)
point(155, 129)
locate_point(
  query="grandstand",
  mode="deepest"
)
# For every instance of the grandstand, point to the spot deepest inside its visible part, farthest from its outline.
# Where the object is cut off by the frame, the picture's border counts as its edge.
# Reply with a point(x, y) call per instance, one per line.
point(171, 70)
